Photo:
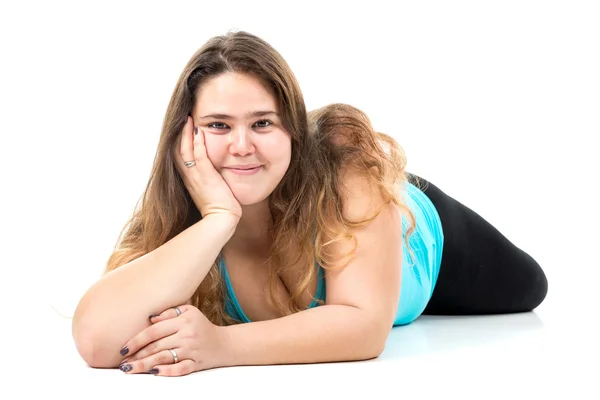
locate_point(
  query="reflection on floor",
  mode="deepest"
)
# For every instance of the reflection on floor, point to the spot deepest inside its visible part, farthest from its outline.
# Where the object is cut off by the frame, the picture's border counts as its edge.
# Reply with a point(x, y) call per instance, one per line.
point(518, 356)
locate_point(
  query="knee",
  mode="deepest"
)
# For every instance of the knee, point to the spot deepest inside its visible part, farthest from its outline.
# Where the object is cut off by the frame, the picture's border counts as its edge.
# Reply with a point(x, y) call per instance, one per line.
point(537, 288)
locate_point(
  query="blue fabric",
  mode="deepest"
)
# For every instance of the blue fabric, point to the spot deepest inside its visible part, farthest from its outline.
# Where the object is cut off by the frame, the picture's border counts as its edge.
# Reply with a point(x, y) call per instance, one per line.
point(233, 308)
point(419, 275)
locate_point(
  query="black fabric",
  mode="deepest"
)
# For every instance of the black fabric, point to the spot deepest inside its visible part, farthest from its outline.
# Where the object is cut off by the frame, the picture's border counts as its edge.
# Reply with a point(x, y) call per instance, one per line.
point(482, 272)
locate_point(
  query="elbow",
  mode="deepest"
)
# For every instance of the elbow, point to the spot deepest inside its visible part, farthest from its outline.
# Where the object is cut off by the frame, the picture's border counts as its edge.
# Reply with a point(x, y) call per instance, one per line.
point(370, 331)
point(93, 352)
point(85, 347)
point(375, 338)
point(377, 349)
point(374, 348)
point(89, 344)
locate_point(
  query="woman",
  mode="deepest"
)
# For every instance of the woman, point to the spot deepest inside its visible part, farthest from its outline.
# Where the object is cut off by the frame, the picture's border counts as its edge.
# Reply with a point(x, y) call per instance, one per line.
point(257, 211)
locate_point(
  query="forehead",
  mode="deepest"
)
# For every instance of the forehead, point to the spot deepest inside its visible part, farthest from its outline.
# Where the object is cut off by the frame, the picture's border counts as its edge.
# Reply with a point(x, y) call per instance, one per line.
point(233, 93)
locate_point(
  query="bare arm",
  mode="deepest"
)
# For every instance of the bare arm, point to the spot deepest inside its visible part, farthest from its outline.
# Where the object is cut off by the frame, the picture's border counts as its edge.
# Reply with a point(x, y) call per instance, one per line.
point(117, 307)
point(361, 300)
point(322, 334)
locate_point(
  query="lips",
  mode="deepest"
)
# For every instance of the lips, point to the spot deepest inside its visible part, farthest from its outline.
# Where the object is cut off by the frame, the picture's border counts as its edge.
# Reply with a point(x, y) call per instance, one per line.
point(244, 166)
point(246, 171)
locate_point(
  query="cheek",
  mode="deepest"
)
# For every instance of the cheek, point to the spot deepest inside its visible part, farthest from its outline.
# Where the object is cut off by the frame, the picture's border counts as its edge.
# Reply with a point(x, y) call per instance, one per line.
point(280, 148)
point(286, 152)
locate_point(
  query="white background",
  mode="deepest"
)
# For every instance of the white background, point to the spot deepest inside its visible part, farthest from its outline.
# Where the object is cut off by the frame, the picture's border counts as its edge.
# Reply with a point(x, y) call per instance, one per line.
point(497, 103)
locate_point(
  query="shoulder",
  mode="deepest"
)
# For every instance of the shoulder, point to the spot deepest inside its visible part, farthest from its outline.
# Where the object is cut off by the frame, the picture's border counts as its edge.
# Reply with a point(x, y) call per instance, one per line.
point(360, 194)
point(371, 219)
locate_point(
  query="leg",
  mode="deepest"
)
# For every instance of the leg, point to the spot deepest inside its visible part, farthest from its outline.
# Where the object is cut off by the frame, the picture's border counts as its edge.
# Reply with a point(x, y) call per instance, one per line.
point(481, 272)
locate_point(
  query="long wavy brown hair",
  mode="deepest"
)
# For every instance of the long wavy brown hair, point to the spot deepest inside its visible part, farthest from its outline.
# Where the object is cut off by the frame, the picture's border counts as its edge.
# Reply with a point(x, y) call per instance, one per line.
point(306, 205)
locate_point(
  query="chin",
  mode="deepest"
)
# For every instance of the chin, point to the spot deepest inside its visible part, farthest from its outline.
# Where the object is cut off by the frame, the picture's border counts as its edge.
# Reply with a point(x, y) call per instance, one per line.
point(249, 198)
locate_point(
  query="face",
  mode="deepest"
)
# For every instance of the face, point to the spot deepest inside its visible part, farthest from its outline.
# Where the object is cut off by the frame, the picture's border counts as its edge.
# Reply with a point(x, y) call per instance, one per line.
point(241, 136)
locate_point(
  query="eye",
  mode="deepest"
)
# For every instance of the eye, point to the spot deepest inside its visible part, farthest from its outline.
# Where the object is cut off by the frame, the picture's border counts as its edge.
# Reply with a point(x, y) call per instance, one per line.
point(263, 123)
point(212, 125)
point(269, 123)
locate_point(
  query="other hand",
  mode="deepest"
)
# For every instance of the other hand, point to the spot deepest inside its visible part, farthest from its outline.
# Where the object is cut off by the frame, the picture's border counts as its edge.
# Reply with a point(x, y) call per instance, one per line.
point(197, 342)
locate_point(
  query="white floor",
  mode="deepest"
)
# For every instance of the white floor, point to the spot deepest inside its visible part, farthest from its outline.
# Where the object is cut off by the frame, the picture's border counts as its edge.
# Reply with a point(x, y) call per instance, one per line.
point(550, 351)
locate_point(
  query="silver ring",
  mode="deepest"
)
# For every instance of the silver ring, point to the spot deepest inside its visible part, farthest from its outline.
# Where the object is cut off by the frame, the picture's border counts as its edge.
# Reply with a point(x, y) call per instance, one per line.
point(189, 163)
point(175, 359)
point(177, 310)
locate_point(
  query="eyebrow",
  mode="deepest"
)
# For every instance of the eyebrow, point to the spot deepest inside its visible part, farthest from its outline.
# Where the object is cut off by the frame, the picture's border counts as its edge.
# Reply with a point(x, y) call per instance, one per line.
point(249, 115)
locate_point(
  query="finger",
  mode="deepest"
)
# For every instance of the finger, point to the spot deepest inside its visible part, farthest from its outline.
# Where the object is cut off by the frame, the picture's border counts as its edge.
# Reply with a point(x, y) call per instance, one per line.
point(169, 313)
point(144, 365)
point(155, 347)
point(177, 147)
point(150, 334)
point(184, 367)
point(186, 148)
point(199, 148)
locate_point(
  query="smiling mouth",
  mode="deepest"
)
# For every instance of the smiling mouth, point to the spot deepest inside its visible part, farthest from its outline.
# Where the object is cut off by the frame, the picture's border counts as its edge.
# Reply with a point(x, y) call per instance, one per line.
point(246, 171)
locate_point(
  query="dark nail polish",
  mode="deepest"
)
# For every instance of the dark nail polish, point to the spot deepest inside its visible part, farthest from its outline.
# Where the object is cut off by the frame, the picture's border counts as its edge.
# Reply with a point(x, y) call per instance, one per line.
point(154, 371)
point(126, 368)
point(195, 130)
point(124, 350)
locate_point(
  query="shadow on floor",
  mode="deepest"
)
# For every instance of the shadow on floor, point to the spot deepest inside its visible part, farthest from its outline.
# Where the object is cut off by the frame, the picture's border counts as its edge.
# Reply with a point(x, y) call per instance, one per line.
point(429, 334)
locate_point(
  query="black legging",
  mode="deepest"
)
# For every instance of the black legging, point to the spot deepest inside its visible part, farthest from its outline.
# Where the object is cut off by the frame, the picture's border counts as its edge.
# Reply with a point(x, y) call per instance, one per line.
point(482, 272)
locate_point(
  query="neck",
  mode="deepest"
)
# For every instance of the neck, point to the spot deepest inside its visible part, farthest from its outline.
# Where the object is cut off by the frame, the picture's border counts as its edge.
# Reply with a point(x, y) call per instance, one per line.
point(253, 229)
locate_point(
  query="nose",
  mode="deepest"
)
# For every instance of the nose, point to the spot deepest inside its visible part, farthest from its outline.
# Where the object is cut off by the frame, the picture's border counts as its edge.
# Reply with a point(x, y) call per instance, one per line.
point(241, 141)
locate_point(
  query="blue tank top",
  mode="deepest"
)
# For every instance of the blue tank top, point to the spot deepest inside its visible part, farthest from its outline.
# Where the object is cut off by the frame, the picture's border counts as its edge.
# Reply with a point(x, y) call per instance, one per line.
point(419, 275)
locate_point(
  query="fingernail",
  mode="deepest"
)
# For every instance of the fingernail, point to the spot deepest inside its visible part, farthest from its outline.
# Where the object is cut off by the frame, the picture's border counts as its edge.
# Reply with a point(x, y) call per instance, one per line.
point(153, 371)
point(124, 350)
point(126, 367)
point(195, 130)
